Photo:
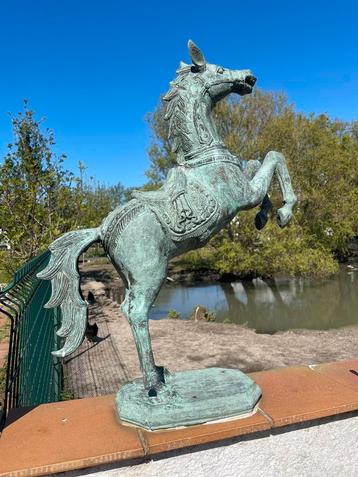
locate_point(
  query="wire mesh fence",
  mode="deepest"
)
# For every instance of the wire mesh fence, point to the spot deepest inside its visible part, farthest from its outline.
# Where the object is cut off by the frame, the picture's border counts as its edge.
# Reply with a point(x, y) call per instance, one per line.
point(96, 367)
point(33, 375)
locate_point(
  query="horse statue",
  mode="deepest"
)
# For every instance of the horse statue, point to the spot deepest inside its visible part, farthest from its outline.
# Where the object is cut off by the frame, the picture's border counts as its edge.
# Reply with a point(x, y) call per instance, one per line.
point(200, 196)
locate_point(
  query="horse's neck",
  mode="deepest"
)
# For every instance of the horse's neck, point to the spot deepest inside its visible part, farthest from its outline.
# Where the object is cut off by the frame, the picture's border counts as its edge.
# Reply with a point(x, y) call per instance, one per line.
point(199, 130)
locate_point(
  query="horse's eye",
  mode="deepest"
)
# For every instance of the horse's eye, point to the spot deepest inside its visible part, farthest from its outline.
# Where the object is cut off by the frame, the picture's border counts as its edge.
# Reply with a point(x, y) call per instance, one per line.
point(220, 70)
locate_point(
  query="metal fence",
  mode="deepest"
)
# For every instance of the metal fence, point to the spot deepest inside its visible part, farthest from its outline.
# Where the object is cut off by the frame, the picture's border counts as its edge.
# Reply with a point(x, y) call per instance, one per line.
point(33, 374)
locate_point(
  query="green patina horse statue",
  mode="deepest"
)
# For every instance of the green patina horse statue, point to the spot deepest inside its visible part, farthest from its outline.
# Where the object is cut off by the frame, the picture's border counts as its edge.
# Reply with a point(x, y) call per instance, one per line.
point(199, 197)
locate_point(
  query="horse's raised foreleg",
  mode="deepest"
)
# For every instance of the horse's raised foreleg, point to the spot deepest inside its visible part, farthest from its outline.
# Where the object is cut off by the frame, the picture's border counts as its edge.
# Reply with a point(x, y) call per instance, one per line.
point(250, 169)
point(274, 162)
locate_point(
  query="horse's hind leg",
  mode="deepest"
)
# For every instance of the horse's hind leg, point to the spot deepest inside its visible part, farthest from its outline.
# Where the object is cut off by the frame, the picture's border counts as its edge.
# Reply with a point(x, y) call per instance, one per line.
point(274, 162)
point(136, 306)
point(141, 256)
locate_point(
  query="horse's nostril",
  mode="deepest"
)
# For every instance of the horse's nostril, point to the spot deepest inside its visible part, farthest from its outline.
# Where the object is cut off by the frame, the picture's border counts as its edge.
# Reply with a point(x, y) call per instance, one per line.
point(251, 80)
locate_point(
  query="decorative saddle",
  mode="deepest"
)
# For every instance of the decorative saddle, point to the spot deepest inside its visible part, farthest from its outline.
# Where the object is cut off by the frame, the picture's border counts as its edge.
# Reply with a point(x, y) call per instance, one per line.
point(182, 205)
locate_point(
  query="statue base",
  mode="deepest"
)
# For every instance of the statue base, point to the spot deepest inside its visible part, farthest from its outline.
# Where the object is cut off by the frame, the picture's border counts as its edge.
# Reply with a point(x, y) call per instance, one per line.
point(188, 398)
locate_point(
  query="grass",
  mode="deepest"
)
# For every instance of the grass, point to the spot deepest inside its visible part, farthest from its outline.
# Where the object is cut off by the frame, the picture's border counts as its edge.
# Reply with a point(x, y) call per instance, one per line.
point(67, 395)
point(5, 331)
point(173, 315)
point(4, 278)
point(4, 334)
point(2, 382)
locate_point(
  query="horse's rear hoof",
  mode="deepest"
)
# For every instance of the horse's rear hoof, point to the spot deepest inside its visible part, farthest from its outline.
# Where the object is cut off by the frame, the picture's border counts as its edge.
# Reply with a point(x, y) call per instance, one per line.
point(162, 373)
point(261, 220)
point(152, 392)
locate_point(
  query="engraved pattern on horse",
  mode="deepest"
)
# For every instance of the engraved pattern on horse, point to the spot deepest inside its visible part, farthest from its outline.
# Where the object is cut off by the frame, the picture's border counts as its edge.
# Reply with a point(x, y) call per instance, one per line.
point(184, 207)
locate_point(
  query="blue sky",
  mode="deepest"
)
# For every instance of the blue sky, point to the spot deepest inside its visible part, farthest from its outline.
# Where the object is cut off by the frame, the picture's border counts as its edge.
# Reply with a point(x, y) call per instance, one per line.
point(95, 68)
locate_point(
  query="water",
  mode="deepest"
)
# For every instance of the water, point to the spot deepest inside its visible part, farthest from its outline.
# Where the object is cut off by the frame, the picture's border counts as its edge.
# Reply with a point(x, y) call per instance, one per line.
point(269, 306)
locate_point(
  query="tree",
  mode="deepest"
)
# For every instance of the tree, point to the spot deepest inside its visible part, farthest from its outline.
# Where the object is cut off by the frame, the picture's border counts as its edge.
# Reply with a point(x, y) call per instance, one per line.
point(323, 161)
point(160, 153)
point(39, 199)
point(35, 191)
point(97, 200)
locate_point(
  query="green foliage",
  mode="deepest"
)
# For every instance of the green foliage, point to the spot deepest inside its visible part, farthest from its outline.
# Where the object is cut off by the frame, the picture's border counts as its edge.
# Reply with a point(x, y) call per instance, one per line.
point(322, 156)
point(209, 316)
point(39, 199)
point(2, 382)
point(34, 191)
point(160, 151)
point(173, 315)
point(4, 335)
point(93, 201)
point(5, 330)
point(199, 259)
point(245, 251)
point(5, 277)
point(67, 395)
point(323, 160)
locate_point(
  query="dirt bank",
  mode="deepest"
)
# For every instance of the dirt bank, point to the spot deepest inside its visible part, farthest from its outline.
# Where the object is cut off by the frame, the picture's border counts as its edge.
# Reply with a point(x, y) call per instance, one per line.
point(183, 345)
point(180, 345)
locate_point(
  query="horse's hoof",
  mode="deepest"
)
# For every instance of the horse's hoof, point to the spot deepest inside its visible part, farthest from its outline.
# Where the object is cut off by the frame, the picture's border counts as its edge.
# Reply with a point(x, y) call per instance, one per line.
point(283, 217)
point(261, 220)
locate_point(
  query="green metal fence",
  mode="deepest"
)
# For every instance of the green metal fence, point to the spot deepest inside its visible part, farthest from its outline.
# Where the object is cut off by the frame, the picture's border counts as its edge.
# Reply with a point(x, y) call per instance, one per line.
point(33, 374)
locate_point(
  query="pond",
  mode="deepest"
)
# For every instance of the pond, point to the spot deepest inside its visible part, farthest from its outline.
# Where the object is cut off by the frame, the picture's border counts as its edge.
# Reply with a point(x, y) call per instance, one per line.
point(273, 305)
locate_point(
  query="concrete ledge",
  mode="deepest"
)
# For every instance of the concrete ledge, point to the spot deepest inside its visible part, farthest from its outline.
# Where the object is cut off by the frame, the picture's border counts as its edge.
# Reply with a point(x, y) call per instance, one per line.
point(82, 433)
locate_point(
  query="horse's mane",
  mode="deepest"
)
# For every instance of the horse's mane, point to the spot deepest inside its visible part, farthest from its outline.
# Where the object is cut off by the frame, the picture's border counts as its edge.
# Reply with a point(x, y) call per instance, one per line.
point(175, 113)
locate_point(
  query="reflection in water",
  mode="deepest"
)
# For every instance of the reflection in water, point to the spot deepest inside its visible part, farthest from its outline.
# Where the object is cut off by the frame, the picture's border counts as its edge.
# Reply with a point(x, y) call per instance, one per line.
point(270, 305)
point(240, 292)
point(263, 293)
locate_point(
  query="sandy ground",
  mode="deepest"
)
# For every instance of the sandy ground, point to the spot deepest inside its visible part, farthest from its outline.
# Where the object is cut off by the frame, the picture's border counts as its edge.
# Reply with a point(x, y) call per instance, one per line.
point(181, 345)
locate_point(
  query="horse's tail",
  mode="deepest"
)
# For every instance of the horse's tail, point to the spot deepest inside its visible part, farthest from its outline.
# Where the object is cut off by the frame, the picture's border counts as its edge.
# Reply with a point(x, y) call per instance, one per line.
point(65, 280)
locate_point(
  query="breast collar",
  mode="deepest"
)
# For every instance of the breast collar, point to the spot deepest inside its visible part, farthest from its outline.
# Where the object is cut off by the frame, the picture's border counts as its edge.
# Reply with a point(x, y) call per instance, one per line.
point(206, 155)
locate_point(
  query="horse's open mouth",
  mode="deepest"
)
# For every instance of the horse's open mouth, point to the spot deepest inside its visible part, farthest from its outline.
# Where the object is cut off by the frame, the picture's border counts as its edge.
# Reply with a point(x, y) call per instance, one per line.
point(250, 80)
point(245, 86)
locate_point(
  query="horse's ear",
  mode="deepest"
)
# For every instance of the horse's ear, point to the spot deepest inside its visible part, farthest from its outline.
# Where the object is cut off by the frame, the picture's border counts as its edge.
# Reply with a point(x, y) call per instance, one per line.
point(196, 55)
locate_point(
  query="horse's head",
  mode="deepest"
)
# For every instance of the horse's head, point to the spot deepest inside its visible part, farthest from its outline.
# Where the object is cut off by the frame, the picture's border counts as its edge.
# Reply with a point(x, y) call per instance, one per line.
point(193, 93)
point(215, 80)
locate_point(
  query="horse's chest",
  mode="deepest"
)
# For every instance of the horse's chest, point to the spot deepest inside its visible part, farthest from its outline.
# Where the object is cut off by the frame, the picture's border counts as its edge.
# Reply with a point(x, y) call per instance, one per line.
point(229, 187)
